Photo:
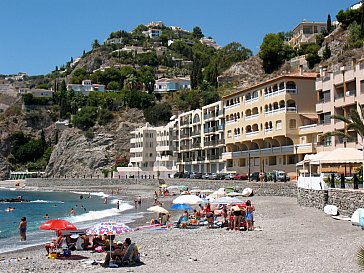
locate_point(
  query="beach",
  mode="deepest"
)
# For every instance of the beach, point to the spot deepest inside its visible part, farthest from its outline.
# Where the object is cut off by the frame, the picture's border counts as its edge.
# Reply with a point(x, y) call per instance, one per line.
point(291, 239)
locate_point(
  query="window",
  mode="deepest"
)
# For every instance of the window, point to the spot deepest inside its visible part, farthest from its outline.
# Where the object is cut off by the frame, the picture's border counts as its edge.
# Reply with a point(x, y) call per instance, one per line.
point(362, 86)
point(229, 134)
point(292, 124)
point(278, 125)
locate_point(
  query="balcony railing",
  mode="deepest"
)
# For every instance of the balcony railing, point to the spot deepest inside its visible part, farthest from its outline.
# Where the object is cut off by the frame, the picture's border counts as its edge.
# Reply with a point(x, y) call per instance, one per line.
point(251, 100)
point(254, 116)
point(232, 106)
point(231, 121)
point(250, 134)
point(196, 145)
point(268, 130)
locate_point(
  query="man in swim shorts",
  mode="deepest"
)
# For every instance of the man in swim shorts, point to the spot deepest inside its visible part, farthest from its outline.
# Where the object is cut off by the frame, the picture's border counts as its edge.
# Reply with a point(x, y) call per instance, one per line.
point(23, 229)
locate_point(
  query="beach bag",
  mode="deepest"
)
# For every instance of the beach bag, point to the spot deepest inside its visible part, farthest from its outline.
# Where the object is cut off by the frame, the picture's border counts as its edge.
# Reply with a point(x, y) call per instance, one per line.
point(66, 253)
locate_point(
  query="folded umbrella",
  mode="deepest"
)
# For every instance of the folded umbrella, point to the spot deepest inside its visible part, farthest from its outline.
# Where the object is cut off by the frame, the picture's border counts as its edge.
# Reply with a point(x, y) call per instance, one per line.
point(181, 207)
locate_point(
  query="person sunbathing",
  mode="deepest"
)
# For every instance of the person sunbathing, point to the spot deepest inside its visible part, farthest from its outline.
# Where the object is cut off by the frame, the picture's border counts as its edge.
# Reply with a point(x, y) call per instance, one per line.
point(125, 253)
point(55, 243)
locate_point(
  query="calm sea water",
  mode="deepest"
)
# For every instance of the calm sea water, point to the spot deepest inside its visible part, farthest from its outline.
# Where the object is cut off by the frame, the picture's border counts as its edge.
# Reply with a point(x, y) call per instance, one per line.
point(57, 205)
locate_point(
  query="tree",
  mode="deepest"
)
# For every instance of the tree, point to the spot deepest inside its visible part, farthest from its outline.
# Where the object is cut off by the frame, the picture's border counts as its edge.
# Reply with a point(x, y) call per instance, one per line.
point(353, 122)
point(95, 44)
point(85, 118)
point(158, 114)
point(196, 74)
point(328, 24)
point(326, 52)
point(273, 52)
point(197, 33)
point(312, 56)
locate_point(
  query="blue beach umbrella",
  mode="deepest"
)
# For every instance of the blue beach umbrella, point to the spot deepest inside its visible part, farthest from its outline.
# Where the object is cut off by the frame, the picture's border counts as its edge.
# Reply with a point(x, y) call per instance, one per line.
point(181, 207)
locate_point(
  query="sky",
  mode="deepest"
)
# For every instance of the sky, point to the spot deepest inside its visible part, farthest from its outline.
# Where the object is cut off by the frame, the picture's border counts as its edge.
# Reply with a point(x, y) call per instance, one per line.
point(38, 35)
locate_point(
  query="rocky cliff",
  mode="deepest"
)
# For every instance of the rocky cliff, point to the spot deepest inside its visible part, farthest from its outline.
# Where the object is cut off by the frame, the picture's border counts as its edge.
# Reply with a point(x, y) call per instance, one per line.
point(76, 156)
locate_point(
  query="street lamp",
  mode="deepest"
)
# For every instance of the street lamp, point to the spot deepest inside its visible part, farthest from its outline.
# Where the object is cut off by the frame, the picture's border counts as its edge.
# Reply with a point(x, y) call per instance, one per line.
point(345, 139)
point(296, 148)
point(249, 165)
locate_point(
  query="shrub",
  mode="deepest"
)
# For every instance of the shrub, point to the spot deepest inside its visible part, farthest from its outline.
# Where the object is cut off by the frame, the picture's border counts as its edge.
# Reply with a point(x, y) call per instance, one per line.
point(85, 118)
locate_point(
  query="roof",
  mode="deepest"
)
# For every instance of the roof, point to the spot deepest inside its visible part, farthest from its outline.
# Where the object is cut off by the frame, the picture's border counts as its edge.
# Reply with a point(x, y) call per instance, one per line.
point(306, 75)
point(171, 80)
point(337, 156)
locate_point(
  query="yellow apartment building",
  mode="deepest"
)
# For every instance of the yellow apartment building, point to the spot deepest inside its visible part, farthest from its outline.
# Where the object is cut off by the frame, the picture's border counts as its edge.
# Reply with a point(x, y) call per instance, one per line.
point(271, 126)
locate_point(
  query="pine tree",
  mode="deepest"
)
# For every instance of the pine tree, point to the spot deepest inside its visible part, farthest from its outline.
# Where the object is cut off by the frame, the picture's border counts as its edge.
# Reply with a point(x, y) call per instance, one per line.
point(71, 59)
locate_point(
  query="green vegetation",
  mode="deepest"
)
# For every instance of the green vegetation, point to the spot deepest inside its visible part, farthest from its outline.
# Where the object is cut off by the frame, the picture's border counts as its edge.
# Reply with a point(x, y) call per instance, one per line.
point(158, 114)
point(30, 151)
point(29, 99)
point(273, 51)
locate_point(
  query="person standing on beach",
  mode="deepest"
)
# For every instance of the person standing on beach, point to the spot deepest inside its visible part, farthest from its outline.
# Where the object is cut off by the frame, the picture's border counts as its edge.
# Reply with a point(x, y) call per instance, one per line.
point(117, 205)
point(139, 201)
point(23, 229)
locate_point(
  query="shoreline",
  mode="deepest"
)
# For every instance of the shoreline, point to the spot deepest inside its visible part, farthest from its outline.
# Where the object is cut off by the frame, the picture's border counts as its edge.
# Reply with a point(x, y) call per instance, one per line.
point(291, 239)
point(127, 194)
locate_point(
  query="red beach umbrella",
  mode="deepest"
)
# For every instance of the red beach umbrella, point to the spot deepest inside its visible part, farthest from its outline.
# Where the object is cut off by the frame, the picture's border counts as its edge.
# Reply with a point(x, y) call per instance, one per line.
point(57, 224)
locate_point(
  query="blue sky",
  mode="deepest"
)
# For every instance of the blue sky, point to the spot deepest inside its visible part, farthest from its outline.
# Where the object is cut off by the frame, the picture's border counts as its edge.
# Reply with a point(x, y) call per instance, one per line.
point(37, 35)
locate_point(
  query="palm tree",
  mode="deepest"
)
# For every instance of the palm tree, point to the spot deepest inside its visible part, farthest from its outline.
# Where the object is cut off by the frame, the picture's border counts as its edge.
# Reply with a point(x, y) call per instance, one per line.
point(353, 122)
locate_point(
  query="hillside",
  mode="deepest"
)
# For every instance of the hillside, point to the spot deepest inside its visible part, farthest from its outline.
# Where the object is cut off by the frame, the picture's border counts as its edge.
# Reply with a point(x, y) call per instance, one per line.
point(101, 123)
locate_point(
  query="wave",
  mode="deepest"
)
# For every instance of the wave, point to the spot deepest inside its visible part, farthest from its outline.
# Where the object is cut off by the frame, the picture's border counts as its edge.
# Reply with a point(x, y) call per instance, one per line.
point(95, 215)
point(10, 189)
point(45, 201)
point(114, 201)
point(101, 194)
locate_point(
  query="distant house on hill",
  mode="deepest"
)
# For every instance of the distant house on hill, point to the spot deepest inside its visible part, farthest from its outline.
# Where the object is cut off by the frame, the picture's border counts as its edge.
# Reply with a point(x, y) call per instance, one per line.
point(305, 33)
point(155, 24)
point(209, 42)
point(37, 93)
point(152, 33)
point(85, 87)
point(113, 41)
point(165, 85)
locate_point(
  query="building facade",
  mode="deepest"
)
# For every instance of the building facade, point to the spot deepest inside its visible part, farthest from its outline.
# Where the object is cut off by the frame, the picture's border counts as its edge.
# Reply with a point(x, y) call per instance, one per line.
point(265, 125)
point(305, 33)
point(152, 152)
point(166, 85)
point(85, 87)
point(338, 92)
point(201, 139)
point(37, 93)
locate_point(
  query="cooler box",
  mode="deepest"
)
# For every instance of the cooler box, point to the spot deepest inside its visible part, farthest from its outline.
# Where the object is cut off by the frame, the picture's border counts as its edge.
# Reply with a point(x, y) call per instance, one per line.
point(66, 253)
point(361, 218)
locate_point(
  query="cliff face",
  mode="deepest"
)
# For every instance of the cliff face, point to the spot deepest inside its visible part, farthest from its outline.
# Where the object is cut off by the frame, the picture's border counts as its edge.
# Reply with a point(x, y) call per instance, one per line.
point(75, 155)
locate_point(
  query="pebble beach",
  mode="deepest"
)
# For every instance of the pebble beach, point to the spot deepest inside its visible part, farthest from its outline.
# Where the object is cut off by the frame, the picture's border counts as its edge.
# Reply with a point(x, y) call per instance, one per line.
point(290, 239)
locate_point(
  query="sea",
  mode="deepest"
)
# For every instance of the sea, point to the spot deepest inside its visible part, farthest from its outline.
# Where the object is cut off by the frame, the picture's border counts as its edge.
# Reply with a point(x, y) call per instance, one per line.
point(90, 209)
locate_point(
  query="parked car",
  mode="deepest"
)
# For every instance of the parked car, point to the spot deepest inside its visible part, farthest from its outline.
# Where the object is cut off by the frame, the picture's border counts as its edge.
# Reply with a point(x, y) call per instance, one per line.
point(178, 175)
point(198, 176)
point(241, 176)
point(280, 176)
point(220, 176)
point(254, 176)
point(206, 176)
point(229, 176)
point(212, 176)
point(193, 174)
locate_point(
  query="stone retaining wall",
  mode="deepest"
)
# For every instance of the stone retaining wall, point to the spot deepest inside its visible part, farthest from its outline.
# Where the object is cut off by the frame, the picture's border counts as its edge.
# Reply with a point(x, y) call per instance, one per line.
point(347, 200)
point(287, 189)
point(312, 198)
point(68, 182)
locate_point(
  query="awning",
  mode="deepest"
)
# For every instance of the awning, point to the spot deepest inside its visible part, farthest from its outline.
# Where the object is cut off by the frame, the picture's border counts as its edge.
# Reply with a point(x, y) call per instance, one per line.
point(343, 155)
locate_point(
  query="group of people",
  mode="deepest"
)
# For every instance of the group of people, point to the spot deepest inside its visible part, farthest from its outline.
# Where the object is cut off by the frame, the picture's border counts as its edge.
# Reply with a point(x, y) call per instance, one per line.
point(233, 217)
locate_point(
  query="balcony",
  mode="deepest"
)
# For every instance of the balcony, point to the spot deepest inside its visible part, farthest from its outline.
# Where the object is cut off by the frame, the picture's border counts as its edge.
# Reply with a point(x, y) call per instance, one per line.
point(221, 127)
point(213, 157)
point(185, 147)
point(184, 135)
point(311, 128)
point(289, 90)
point(196, 145)
point(251, 134)
point(255, 116)
point(231, 121)
point(251, 100)
point(232, 106)
point(136, 150)
point(196, 133)
point(262, 152)
point(268, 131)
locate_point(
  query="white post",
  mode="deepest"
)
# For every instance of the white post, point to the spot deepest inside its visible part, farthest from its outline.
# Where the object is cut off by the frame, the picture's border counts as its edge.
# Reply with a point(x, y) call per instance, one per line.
point(362, 143)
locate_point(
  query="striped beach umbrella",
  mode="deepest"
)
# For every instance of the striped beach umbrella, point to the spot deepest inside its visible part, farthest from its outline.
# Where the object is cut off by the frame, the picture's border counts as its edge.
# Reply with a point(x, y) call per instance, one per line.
point(108, 228)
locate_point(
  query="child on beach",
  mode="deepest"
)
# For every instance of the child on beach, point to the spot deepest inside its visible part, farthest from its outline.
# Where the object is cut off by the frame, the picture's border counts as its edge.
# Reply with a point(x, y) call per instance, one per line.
point(249, 215)
point(23, 229)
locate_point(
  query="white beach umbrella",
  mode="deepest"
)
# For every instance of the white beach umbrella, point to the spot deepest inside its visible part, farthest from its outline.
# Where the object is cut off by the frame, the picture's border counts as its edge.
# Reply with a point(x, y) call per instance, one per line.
point(158, 209)
point(232, 194)
point(207, 191)
point(188, 199)
point(227, 200)
point(215, 195)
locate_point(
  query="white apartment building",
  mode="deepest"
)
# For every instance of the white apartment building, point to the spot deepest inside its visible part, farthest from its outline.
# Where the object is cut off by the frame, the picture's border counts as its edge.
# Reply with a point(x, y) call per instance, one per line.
point(201, 139)
point(305, 33)
point(337, 93)
point(152, 153)
point(37, 93)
